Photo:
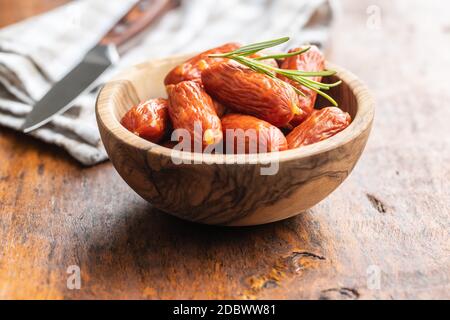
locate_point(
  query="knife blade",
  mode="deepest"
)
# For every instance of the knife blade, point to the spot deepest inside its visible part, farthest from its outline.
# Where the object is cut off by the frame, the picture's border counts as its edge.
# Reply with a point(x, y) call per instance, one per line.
point(98, 60)
point(78, 81)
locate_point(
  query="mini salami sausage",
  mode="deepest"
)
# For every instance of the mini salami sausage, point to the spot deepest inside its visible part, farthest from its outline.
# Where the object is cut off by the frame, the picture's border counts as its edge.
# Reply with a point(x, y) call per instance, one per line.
point(320, 125)
point(148, 120)
point(220, 108)
point(247, 134)
point(270, 62)
point(246, 91)
point(190, 106)
point(311, 60)
point(193, 68)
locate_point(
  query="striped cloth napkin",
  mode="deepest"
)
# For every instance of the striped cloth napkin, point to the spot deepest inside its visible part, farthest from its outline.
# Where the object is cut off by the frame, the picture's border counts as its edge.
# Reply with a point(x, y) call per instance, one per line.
point(39, 51)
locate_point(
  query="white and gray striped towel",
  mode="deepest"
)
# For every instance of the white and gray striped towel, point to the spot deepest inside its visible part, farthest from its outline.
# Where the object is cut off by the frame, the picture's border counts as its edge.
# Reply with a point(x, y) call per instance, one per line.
point(37, 52)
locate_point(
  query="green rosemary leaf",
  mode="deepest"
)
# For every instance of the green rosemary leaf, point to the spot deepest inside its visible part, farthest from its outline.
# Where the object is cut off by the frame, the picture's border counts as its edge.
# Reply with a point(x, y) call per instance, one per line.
point(261, 68)
point(252, 48)
point(308, 84)
point(283, 55)
point(320, 85)
point(335, 84)
point(325, 73)
point(298, 91)
point(326, 96)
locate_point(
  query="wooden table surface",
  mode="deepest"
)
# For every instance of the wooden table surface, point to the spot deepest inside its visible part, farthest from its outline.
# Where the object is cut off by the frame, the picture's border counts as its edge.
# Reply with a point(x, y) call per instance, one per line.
point(383, 234)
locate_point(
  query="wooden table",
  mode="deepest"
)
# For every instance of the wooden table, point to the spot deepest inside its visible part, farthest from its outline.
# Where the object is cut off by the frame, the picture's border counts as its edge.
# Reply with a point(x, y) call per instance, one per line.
point(383, 234)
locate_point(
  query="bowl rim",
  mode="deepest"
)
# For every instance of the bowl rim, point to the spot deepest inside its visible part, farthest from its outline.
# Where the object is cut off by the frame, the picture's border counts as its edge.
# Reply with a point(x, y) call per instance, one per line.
point(362, 121)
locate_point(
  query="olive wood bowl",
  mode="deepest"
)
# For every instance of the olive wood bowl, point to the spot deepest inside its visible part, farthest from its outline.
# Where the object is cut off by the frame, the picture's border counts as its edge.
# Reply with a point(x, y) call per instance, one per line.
point(229, 189)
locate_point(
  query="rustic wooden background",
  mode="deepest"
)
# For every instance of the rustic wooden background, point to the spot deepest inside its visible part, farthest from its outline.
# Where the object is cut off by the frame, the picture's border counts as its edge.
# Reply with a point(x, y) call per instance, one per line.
point(388, 224)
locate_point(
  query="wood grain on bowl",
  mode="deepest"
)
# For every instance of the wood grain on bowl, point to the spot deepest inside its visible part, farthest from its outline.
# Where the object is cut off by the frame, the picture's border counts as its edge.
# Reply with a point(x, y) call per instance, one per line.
point(217, 190)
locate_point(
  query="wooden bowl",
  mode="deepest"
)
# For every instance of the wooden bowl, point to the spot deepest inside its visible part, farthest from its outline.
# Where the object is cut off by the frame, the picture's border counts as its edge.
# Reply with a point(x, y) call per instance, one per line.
point(229, 189)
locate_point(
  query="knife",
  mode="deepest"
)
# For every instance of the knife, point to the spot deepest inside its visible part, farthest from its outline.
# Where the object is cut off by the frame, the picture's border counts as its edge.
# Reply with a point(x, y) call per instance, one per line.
point(105, 54)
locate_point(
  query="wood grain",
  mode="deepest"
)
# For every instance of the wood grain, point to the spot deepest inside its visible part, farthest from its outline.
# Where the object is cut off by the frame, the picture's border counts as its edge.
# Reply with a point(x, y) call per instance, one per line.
point(390, 215)
point(227, 189)
point(15, 10)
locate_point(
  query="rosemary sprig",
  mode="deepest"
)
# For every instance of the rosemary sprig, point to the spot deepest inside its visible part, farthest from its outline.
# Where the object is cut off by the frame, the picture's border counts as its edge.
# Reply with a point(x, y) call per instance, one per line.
point(282, 55)
point(254, 48)
point(242, 54)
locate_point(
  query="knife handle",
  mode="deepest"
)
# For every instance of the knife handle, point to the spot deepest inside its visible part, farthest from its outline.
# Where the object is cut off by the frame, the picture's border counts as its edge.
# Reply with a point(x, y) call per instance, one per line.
point(136, 20)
